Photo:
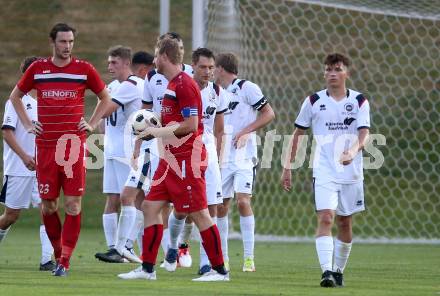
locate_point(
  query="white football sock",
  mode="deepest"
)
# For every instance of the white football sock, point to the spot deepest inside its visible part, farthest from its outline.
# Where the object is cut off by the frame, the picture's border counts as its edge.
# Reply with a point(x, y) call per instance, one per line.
point(247, 227)
point(3, 233)
point(137, 226)
point(165, 240)
point(324, 249)
point(175, 226)
point(342, 252)
point(223, 229)
point(46, 246)
point(204, 260)
point(127, 219)
point(186, 233)
point(110, 224)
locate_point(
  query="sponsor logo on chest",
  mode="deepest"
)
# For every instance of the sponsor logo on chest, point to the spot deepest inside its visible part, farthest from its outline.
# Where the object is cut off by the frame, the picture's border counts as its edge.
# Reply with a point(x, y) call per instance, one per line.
point(59, 94)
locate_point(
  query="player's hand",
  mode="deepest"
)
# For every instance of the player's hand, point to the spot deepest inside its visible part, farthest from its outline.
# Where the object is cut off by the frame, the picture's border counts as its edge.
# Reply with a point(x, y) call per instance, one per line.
point(29, 162)
point(146, 134)
point(83, 125)
point(36, 128)
point(240, 140)
point(347, 157)
point(286, 180)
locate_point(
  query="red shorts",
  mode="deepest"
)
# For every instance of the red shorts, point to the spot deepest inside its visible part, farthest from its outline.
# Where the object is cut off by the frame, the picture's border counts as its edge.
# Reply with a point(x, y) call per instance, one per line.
point(182, 183)
point(61, 167)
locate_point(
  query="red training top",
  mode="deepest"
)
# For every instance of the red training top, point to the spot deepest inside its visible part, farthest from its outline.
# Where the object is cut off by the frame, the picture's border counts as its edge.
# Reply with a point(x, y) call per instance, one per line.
point(60, 96)
point(182, 99)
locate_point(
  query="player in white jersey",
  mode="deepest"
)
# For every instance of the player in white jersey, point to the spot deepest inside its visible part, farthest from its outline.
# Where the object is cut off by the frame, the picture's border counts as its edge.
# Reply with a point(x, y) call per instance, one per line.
point(126, 98)
point(154, 90)
point(20, 187)
point(248, 111)
point(340, 121)
point(143, 164)
point(214, 103)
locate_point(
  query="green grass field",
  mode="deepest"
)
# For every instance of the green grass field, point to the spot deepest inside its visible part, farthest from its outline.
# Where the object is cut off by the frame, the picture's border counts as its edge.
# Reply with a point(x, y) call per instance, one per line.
point(282, 269)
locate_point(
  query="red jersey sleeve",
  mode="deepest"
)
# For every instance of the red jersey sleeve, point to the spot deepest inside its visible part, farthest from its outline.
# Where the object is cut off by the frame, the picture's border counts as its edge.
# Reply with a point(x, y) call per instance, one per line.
point(94, 81)
point(26, 82)
point(189, 98)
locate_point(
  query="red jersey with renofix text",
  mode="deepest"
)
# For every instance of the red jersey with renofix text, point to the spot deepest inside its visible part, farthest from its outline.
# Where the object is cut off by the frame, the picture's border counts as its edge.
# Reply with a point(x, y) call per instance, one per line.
point(60, 96)
point(182, 99)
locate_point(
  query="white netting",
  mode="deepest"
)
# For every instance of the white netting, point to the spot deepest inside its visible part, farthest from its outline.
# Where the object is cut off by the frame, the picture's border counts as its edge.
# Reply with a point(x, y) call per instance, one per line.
point(394, 48)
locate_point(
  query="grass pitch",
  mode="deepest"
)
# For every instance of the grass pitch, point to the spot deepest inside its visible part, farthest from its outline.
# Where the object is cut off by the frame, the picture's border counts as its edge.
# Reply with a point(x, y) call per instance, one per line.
point(282, 269)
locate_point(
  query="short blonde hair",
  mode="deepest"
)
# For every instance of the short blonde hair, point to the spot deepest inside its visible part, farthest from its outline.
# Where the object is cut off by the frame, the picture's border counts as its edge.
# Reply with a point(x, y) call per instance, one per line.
point(170, 47)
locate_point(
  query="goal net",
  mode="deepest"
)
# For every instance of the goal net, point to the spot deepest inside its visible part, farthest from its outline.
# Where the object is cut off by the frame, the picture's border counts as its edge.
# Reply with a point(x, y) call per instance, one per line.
point(394, 48)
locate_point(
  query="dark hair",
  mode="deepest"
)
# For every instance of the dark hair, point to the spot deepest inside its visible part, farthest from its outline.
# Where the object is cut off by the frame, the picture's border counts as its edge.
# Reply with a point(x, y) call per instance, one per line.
point(334, 58)
point(60, 27)
point(202, 52)
point(227, 61)
point(123, 52)
point(142, 57)
point(27, 62)
point(171, 35)
point(171, 48)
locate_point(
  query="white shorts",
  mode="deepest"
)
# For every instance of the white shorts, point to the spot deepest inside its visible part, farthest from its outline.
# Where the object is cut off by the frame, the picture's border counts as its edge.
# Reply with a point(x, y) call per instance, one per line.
point(115, 175)
point(345, 199)
point(238, 177)
point(19, 192)
point(146, 166)
point(213, 180)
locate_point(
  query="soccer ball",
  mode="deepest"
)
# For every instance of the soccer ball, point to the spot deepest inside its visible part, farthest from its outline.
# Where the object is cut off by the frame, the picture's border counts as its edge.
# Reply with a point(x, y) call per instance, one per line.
point(145, 118)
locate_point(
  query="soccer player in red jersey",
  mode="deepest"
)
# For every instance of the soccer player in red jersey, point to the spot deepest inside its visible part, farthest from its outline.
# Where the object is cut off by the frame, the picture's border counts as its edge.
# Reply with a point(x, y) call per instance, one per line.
point(61, 81)
point(179, 177)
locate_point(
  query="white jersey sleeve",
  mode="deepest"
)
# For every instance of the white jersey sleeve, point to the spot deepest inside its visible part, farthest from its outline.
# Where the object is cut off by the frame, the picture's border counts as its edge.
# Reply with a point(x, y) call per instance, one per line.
point(10, 118)
point(127, 92)
point(363, 117)
point(147, 97)
point(254, 96)
point(304, 119)
point(224, 101)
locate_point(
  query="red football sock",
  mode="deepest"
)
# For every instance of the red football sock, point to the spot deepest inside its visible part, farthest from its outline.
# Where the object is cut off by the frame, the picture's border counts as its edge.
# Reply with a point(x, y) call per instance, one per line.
point(69, 237)
point(151, 243)
point(212, 244)
point(52, 223)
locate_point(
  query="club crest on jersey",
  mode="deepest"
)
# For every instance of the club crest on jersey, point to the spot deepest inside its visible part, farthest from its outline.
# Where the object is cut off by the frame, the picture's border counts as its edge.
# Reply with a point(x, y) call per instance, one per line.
point(159, 82)
point(322, 107)
point(212, 98)
point(28, 106)
point(348, 107)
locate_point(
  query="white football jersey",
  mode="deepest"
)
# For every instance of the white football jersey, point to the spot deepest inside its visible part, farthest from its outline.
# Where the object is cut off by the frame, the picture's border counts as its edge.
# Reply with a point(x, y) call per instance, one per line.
point(12, 164)
point(155, 86)
point(246, 99)
point(118, 134)
point(214, 101)
point(335, 127)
